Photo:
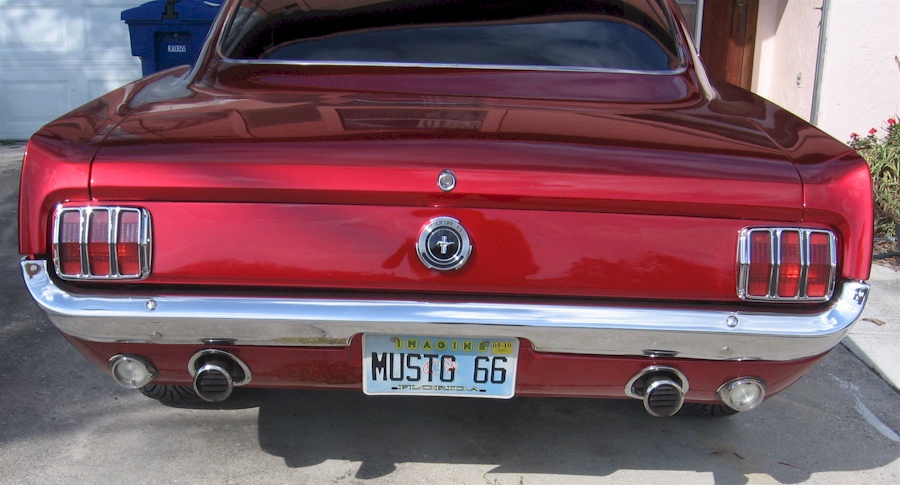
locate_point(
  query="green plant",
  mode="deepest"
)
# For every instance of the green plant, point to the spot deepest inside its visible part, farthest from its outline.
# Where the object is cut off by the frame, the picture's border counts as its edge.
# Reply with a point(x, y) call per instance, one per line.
point(883, 157)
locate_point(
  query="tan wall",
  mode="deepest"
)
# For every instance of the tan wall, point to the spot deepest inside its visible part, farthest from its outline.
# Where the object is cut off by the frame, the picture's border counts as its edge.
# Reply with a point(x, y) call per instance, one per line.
point(787, 42)
point(860, 76)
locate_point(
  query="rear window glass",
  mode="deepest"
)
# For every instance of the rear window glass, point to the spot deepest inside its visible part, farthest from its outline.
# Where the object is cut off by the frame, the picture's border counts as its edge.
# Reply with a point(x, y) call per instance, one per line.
point(634, 35)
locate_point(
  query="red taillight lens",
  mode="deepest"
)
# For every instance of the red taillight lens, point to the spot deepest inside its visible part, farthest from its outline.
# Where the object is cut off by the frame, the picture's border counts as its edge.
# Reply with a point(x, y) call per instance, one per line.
point(98, 243)
point(761, 270)
point(820, 273)
point(789, 267)
point(128, 249)
point(803, 261)
point(69, 244)
point(102, 243)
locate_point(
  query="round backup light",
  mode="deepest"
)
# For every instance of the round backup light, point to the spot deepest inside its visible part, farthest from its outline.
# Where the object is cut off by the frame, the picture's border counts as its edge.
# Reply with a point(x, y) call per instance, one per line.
point(131, 371)
point(743, 394)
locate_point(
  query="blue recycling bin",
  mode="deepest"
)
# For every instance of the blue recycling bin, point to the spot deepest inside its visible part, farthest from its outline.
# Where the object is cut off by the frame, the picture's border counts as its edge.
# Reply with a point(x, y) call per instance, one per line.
point(169, 33)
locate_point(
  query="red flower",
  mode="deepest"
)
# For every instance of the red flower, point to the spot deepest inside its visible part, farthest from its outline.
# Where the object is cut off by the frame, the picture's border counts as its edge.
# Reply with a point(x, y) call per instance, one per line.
point(873, 131)
point(892, 121)
point(854, 135)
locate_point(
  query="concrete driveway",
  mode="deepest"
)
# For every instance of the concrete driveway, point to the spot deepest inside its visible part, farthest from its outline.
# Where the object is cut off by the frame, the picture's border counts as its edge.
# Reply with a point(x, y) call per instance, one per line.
point(64, 421)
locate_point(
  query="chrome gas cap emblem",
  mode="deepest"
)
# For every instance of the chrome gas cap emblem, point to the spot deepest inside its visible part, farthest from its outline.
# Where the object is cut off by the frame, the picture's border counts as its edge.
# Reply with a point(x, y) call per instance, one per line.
point(447, 180)
point(443, 244)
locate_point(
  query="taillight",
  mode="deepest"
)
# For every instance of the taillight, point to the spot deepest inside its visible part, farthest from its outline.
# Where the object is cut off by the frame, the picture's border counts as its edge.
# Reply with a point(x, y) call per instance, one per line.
point(786, 264)
point(820, 274)
point(789, 264)
point(98, 243)
point(102, 243)
point(760, 274)
point(128, 243)
point(68, 242)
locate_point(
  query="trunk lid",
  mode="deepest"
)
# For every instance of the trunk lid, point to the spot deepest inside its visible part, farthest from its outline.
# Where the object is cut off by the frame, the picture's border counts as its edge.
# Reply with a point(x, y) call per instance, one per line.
point(343, 149)
point(331, 191)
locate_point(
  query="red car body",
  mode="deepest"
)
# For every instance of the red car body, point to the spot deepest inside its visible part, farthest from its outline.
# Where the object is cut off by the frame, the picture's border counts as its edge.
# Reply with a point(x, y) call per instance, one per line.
point(611, 214)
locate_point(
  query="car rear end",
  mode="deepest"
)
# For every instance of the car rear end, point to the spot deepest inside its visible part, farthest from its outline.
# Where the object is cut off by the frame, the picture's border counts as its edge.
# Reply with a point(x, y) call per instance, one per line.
point(415, 227)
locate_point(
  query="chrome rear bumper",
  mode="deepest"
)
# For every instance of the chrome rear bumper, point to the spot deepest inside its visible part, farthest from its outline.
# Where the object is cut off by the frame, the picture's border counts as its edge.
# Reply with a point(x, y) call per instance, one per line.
point(598, 330)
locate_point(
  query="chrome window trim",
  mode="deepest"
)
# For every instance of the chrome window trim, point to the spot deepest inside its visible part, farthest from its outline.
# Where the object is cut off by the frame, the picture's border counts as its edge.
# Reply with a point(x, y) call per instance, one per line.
point(775, 235)
point(607, 328)
point(480, 67)
point(232, 13)
point(145, 239)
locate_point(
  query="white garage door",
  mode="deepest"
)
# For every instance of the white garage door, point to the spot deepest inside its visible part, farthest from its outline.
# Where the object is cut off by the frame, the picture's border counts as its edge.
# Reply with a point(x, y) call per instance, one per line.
point(56, 55)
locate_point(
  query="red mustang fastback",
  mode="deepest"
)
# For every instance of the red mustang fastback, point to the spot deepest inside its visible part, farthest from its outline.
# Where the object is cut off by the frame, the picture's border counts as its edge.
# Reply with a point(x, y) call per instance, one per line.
point(471, 198)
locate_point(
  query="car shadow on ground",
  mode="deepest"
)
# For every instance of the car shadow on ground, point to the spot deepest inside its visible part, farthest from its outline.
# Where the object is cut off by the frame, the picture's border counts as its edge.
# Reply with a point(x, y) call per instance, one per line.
point(794, 435)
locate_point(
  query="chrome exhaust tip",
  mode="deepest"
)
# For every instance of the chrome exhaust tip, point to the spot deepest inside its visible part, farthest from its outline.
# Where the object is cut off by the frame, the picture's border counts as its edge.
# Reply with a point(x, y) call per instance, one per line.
point(216, 373)
point(661, 388)
point(213, 382)
point(663, 397)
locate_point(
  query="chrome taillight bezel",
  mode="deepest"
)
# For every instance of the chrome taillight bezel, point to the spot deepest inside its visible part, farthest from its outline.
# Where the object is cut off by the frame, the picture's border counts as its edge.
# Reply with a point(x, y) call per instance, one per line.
point(144, 242)
point(775, 235)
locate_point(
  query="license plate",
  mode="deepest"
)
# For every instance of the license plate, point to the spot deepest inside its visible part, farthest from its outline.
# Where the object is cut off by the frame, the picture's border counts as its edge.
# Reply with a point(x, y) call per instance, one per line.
point(439, 366)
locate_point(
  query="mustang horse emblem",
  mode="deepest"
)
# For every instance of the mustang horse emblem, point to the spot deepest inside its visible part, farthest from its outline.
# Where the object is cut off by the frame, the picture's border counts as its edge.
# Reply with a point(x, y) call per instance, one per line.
point(443, 244)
